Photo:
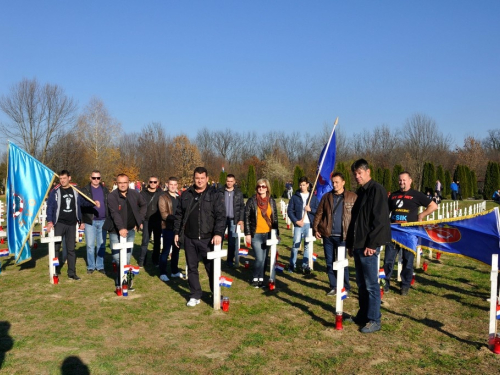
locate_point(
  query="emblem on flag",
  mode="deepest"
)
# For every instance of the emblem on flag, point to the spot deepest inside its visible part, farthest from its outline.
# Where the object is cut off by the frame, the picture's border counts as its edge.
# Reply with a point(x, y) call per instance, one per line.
point(343, 294)
point(381, 274)
point(279, 267)
point(4, 253)
point(315, 257)
point(243, 252)
point(225, 281)
point(55, 262)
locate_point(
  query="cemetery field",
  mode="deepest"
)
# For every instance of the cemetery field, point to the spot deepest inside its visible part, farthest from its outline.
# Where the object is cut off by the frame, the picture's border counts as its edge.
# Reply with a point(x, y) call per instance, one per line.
point(440, 327)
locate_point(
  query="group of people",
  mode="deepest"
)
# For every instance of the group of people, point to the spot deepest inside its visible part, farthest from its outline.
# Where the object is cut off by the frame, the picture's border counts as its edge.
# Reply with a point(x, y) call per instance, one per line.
point(198, 219)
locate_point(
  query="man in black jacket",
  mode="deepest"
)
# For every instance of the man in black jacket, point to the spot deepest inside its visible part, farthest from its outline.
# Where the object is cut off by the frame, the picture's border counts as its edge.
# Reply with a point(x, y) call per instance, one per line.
point(199, 223)
point(93, 218)
point(152, 222)
point(368, 231)
point(235, 214)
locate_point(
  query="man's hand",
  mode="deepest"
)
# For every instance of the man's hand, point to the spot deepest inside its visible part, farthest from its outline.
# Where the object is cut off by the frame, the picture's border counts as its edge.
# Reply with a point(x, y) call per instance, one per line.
point(176, 240)
point(318, 235)
point(82, 226)
point(216, 240)
point(350, 253)
point(140, 227)
point(300, 223)
point(369, 252)
point(98, 204)
point(123, 233)
point(49, 227)
point(240, 223)
point(248, 240)
point(307, 208)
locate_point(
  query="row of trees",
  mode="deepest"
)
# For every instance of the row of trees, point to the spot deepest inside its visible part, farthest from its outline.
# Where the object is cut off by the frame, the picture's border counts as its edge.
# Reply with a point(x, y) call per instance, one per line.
point(46, 122)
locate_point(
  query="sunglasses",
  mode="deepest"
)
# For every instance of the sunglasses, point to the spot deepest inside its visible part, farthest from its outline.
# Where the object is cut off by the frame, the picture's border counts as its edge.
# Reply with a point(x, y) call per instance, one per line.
point(262, 186)
point(153, 182)
point(95, 178)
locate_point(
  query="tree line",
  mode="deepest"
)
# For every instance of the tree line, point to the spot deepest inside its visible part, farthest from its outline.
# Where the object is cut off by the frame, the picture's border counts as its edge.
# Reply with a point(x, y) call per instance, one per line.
point(48, 124)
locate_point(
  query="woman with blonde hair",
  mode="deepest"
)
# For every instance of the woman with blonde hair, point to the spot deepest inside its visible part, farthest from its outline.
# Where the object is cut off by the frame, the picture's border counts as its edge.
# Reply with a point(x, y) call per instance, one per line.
point(261, 216)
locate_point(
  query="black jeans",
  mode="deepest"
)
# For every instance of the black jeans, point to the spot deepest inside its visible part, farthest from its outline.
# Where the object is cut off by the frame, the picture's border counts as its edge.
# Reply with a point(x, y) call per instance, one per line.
point(197, 250)
point(391, 251)
point(68, 233)
point(149, 227)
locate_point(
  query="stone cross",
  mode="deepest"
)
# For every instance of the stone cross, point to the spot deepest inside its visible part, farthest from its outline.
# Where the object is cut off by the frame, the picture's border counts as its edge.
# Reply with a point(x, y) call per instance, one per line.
point(493, 300)
point(51, 240)
point(310, 240)
point(123, 245)
point(272, 264)
point(216, 256)
point(238, 235)
point(339, 266)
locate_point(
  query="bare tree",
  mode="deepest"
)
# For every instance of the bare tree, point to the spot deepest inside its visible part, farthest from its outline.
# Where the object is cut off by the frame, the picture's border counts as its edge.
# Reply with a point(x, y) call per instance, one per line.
point(153, 143)
point(37, 114)
point(491, 144)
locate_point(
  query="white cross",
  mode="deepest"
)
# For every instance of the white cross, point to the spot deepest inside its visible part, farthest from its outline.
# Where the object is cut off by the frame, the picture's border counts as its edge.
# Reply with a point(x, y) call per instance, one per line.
point(310, 240)
point(272, 264)
point(238, 235)
point(400, 263)
point(493, 299)
point(123, 245)
point(216, 256)
point(51, 240)
point(339, 266)
point(418, 256)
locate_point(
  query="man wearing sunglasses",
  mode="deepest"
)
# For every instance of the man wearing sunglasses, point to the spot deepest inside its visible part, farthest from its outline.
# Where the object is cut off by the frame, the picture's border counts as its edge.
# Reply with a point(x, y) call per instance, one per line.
point(152, 222)
point(93, 218)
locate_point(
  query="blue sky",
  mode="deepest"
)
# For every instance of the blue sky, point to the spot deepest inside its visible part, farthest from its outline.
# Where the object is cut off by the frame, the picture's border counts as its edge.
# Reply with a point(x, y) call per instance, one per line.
point(264, 65)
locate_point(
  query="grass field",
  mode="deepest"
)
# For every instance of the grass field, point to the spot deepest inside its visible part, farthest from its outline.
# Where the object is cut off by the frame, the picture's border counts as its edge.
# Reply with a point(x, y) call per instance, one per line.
point(441, 327)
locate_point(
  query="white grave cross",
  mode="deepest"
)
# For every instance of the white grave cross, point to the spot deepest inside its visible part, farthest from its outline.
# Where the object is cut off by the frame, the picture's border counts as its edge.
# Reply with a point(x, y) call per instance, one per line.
point(216, 256)
point(310, 240)
point(493, 299)
point(238, 235)
point(339, 266)
point(123, 245)
point(272, 264)
point(51, 240)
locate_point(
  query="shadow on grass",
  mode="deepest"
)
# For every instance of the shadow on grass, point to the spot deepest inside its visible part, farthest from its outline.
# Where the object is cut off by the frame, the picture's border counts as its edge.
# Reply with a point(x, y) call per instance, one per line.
point(73, 365)
point(6, 342)
point(427, 281)
point(438, 326)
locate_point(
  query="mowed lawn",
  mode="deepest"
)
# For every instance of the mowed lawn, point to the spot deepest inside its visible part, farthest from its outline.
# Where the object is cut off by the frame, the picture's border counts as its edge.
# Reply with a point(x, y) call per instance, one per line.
point(74, 327)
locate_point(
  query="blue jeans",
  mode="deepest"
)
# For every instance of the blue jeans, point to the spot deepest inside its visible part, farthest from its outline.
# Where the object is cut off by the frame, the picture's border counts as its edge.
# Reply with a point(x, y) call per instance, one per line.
point(298, 233)
point(231, 243)
point(330, 245)
point(169, 245)
point(391, 251)
point(368, 286)
point(95, 237)
point(260, 249)
point(115, 238)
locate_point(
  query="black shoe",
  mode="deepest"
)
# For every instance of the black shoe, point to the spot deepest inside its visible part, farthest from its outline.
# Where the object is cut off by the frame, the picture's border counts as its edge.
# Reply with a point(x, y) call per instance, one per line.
point(255, 283)
point(58, 270)
point(306, 270)
point(102, 271)
point(131, 289)
point(90, 272)
point(355, 320)
point(74, 277)
point(332, 292)
point(386, 289)
point(370, 327)
point(404, 291)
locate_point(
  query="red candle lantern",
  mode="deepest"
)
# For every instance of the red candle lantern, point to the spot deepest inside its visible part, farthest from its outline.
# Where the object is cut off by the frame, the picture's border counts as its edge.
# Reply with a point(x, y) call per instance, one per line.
point(338, 322)
point(424, 266)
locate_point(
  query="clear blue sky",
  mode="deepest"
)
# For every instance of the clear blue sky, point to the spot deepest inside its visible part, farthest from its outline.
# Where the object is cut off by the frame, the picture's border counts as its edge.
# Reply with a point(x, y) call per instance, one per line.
point(264, 65)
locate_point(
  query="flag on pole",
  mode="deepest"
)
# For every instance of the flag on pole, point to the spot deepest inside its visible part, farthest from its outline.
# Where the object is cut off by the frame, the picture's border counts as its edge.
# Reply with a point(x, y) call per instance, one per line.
point(243, 253)
point(279, 267)
point(315, 257)
point(381, 274)
point(225, 281)
point(498, 312)
point(28, 182)
point(326, 165)
point(4, 253)
point(343, 294)
point(55, 262)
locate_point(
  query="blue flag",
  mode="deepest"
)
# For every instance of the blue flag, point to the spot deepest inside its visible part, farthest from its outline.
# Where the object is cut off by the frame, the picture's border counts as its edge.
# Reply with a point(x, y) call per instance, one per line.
point(28, 181)
point(324, 184)
point(475, 236)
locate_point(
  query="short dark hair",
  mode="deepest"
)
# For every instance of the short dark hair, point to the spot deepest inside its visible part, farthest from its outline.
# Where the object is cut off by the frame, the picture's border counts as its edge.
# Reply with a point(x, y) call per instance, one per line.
point(173, 179)
point(200, 170)
point(230, 175)
point(337, 174)
point(95, 171)
point(303, 179)
point(122, 175)
point(405, 172)
point(359, 164)
point(64, 172)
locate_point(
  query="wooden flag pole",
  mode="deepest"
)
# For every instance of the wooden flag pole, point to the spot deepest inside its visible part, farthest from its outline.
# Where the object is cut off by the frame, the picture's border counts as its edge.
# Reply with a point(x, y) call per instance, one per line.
point(78, 190)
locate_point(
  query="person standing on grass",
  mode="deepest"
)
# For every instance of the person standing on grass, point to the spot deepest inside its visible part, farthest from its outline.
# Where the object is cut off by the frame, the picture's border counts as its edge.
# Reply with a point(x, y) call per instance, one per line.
point(199, 223)
point(167, 205)
point(235, 214)
point(368, 231)
point(331, 223)
point(94, 217)
point(404, 205)
point(301, 213)
point(63, 213)
point(127, 210)
point(261, 216)
point(152, 222)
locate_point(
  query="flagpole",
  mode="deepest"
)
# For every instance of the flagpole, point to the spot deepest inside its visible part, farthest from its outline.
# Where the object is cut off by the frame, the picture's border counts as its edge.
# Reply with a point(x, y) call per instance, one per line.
point(321, 164)
point(78, 190)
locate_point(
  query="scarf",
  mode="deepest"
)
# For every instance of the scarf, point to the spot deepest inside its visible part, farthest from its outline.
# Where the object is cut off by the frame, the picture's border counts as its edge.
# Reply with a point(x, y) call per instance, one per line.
point(263, 203)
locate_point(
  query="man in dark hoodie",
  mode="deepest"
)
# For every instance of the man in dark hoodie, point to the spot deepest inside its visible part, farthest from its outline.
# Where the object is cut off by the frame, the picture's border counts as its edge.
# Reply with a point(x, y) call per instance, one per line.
point(152, 222)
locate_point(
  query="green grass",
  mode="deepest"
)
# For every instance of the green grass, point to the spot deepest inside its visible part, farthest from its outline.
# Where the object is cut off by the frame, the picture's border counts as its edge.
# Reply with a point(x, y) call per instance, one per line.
point(441, 327)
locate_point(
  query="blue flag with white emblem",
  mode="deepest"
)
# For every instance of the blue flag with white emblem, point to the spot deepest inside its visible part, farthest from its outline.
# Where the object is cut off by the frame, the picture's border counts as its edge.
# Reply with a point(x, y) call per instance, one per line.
point(28, 182)
point(328, 158)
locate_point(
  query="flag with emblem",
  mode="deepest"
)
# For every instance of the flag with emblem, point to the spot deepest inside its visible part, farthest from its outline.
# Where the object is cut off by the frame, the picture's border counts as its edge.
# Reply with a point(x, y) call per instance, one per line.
point(279, 267)
point(225, 281)
point(243, 253)
point(4, 252)
point(55, 262)
point(343, 294)
point(315, 257)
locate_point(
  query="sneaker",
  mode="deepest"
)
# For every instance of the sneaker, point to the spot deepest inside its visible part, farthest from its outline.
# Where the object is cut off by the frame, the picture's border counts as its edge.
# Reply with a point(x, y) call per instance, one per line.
point(387, 289)
point(90, 272)
point(371, 327)
point(164, 278)
point(102, 271)
point(178, 274)
point(404, 291)
point(290, 269)
point(255, 283)
point(193, 302)
point(131, 289)
point(306, 270)
point(331, 293)
point(74, 277)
